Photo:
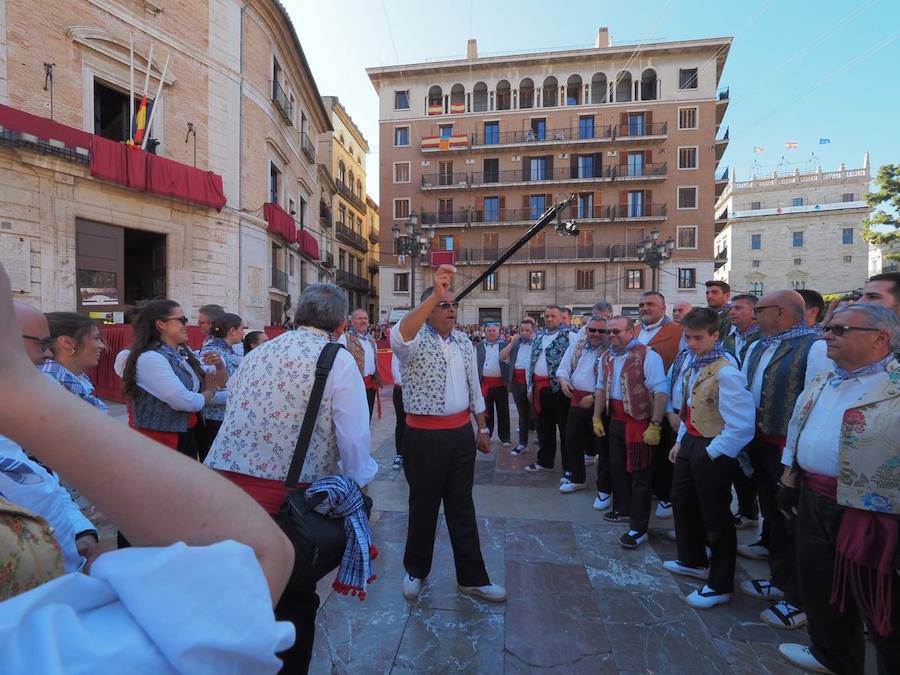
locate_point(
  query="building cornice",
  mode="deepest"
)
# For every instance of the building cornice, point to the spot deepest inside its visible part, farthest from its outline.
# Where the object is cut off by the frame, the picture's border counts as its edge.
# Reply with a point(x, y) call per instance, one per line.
point(334, 103)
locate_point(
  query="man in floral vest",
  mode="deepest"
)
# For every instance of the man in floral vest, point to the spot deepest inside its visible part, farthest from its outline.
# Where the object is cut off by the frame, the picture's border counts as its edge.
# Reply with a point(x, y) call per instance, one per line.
point(361, 345)
point(842, 486)
point(632, 385)
point(550, 404)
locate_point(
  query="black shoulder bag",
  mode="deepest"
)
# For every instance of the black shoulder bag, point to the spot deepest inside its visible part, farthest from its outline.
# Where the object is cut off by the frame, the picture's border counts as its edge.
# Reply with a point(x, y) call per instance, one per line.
point(319, 541)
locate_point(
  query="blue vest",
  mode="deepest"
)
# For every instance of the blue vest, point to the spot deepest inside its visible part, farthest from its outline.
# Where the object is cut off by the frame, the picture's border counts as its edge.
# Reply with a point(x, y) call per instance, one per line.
point(783, 382)
point(156, 415)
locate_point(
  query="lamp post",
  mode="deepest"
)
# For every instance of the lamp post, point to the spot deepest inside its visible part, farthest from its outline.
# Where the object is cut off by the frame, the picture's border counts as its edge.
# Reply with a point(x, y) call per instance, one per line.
point(654, 252)
point(414, 243)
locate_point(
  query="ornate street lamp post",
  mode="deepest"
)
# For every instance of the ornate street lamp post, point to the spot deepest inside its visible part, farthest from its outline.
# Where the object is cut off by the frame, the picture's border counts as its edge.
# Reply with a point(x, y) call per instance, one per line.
point(415, 243)
point(654, 252)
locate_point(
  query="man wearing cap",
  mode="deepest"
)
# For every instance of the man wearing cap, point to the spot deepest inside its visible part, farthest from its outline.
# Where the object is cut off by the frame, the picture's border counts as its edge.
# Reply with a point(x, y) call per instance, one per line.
point(517, 356)
point(493, 374)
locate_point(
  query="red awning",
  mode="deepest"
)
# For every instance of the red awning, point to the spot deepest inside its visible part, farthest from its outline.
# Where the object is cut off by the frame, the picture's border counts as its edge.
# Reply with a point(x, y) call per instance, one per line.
point(281, 223)
point(308, 245)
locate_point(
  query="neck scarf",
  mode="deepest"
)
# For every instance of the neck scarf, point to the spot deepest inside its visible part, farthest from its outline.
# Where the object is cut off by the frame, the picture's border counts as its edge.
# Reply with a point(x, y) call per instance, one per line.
point(841, 375)
point(798, 330)
point(659, 324)
point(697, 362)
point(219, 343)
point(752, 329)
point(356, 333)
point(449, 338)
point(616, 353)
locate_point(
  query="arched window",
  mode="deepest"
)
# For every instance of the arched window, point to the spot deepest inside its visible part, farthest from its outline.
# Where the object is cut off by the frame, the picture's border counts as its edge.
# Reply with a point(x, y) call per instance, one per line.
point(550, 93)
point(480, 97)
point(359, 188)
point(526, 93)
point(648, 85)
point(457, 99)
point(573, 90)
point(435, 100)
point(504, 95)
point(598, 88)
point(623, 86)
point(342, 172)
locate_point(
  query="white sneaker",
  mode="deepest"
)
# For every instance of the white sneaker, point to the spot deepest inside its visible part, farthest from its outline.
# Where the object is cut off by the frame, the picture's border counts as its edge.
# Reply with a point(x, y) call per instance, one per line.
point(676, 567)
point(411, 587)
point(664, 510)
point(534, 466)
point(506, 444)
point(754, 551)
point(705, 598)
point(566, 476)
point(590, 459)
point(761, 589)
point(800, 656)
point(602, 502)
point(491, 592)
point(569, 487)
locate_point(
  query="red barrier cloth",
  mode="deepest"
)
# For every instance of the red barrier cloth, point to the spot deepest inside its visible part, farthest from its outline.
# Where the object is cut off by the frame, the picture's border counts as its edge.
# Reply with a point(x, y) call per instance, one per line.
point(280, 222)
point(174, 179)
point(195, 337)
point(383, 361)
point(107, 384)
point(45, 129)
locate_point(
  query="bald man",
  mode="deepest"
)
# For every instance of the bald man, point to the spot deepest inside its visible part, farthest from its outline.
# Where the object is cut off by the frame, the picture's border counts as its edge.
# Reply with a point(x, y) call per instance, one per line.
point(679, 309)
point(778, 367)
point(28, 484)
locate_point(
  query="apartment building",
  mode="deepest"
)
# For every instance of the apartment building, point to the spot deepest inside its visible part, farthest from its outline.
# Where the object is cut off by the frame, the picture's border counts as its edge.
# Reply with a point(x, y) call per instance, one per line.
point(217, 209)
point(800, 230)
point(473, 150)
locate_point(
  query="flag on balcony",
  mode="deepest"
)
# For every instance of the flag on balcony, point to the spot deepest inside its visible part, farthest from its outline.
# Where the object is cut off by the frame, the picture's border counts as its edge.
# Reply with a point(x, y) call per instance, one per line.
point(758, 149)
point(824, 141)
point(792, 145)
point(139, 123)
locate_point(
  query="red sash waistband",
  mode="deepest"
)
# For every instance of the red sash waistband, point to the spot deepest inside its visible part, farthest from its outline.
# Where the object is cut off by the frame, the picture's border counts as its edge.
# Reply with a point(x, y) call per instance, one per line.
point(617, 411)
point(577, 395)
point(268, 493)
point(823, 485)
point(540, 383)
point(691, 429)
point(438, 421)
point(488, 383)
point(369, 381)
point(770, 440)
point(519, 376)
point(637, 453)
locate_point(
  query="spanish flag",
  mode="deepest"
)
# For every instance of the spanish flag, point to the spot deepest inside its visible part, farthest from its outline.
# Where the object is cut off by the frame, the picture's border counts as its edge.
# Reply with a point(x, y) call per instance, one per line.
point(139, 123)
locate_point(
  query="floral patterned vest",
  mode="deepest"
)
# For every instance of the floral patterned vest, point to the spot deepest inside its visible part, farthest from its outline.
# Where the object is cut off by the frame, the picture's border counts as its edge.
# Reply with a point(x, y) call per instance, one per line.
point(424, 373)
point(869, 450)
point(636, 398)
point(554, 353)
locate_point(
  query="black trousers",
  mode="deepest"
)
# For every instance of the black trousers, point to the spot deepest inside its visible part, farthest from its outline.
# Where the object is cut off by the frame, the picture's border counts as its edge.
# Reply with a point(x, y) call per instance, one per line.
point(523, 407)
point(631, 492)
point(400, 424)
point(497, 407)
point(581, 441)
point(745, 489)
point(701, 505)
point(553, 415)
point(370, 397)
point(205, 435)
point(779, 535)
point(298, 604)
point(837, 637)
point(662, 467)
point(440, 467)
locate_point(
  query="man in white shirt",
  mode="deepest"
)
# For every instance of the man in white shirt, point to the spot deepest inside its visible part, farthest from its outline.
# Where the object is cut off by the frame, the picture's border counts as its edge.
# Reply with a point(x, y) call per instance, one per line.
point(361, 345)
point(441, 391)
point(493, 373)
point(518, 355)
point(577, 375)
point(399, 413)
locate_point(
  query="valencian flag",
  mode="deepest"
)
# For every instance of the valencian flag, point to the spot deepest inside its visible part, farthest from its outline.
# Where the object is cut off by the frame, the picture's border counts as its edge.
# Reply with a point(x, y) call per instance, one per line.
point(792, 145)
point(139, 123)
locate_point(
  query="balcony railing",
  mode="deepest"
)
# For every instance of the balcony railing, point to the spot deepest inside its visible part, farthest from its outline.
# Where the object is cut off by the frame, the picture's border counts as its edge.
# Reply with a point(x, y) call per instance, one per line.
point(533, 175)
point(324, 214)
point(352, 281)
point(586, 133)
point(279, 280)
point(280, 99)
point(307, 146)
point(346, 191)
point(637, 211)
point(724, 137)
point(374, 235)
point(723, 94)
point(723, 175)
point(349, 237)
point(491, 216)
point(373, 266)
point(328, 259)
point(633, 130)
point(551, 253)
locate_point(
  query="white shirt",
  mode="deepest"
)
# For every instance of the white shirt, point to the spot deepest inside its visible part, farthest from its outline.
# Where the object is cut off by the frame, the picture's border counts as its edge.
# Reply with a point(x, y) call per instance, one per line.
point(395, 370)
point(816, 448)
point(155, 376)
point(523, 356)
point(739, 340)
point(583, 378)
point(456, 388)
point(816, 361)
point(542, 342)
point(654, 375)
point(736, 409)
point(368, 354)
point(649, 331)
point(26, 483)
point(130, 614)
point(491, 366)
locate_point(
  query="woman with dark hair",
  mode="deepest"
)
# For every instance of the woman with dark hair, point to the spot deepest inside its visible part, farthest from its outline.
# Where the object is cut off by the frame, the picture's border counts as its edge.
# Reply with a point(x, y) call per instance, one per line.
point(77, 346)
point(224, 333)
point(165, 383)
point(254, 339)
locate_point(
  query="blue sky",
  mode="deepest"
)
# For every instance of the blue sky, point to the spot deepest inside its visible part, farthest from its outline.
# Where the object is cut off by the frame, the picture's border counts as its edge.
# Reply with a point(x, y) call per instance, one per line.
point(797, 71)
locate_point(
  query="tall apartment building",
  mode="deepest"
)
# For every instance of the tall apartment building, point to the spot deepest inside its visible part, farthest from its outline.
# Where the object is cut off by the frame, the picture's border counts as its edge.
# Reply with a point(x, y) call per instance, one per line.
point(352, 243)
point(82, 228)
point(478, 148)
point(800, 230)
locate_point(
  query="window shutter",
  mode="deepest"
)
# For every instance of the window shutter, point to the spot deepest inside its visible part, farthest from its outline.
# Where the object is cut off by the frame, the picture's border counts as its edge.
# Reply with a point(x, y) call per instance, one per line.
point(549, 160)
point(648, 117)
point(598, 164)
point(548, 201)
point(526, 168)
point(526, 202)
point(623, 197)
point(502, 203)
point(573, 165)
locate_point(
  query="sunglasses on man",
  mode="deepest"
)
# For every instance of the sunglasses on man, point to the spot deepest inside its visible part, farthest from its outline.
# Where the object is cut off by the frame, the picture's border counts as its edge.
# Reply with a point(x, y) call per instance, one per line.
point(447, 305)
point(601, 331)
point(841, 330)
point(182, 319)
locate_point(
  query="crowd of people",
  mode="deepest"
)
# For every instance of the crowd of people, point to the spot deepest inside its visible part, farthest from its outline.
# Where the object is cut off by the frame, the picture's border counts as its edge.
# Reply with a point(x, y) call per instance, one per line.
point(773, 404)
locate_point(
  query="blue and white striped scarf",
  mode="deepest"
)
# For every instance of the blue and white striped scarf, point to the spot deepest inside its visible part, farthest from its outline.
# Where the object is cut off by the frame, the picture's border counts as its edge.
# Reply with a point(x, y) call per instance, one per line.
point(616, 353)
point(344, 500)
point(798, 330)
point(697, 362)
point(841, 375)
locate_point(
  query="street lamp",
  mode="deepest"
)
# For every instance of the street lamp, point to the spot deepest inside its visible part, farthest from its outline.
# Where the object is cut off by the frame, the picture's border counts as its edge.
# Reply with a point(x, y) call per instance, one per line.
point(414, 243)
point(654, 252)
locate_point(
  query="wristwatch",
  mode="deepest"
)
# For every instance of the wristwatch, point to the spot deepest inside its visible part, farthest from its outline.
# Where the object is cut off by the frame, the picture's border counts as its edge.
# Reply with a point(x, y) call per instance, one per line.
point(484, 431)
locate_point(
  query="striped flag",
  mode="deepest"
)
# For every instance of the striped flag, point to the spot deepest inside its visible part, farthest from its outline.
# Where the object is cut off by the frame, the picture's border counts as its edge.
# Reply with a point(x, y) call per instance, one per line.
point(139, 124)
point(824, 141)
point(792, 145)
point(758, 149)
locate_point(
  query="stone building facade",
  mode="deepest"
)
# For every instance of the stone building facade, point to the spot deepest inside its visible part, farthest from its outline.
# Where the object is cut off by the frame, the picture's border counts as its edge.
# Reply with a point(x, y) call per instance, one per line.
point(238, 100)
point(478, 148)
point(801, 230)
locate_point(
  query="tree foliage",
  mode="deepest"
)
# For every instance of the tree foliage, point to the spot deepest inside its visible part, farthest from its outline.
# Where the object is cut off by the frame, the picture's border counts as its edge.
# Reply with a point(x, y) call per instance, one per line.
point(886, 221)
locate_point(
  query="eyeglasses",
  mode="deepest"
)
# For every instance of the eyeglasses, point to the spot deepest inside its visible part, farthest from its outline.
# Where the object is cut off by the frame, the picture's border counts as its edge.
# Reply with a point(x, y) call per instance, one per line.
point(615, 331)
point(43, 342)
point(759, 308)
point(448, 305)
point(182, 319)
point(601, 331)
point(841, 330)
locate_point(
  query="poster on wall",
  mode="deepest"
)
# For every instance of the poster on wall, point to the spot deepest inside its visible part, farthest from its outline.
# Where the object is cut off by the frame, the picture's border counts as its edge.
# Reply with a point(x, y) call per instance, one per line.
point(108, 317)
point(96, 297)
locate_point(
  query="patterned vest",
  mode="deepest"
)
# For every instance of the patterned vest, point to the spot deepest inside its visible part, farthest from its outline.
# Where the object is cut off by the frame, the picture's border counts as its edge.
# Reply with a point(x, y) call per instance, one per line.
point(636, 397)
point(579, 351)
point(156, 415)
point(705, 415)
point(358, 352)
point(554, 353)
point(783, 381)
point(424, 373)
